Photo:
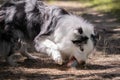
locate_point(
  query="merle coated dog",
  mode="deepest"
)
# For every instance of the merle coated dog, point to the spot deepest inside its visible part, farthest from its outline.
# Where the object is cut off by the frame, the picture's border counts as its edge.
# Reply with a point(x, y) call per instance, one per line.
point(51, 29)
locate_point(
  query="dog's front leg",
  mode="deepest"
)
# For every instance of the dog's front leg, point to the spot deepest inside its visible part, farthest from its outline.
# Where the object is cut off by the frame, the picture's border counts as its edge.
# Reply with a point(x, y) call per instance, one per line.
point(49, 47)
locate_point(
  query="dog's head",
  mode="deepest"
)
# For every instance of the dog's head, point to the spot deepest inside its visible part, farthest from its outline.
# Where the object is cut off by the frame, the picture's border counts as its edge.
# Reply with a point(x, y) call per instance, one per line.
point(84, 39)
point(81, 37)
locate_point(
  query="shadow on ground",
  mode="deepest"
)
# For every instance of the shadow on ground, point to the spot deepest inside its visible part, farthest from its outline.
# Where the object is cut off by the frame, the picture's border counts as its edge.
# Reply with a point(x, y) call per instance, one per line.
point(34, 70)
point(46, 69)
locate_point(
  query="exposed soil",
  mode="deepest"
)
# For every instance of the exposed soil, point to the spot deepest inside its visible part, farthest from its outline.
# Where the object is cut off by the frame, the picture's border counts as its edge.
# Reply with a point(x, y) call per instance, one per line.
point(104, 64)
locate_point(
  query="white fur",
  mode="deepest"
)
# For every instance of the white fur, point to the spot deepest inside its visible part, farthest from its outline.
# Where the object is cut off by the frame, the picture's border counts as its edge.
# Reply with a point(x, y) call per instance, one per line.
point(30, 4)
point(49, 47)
point(59, 44)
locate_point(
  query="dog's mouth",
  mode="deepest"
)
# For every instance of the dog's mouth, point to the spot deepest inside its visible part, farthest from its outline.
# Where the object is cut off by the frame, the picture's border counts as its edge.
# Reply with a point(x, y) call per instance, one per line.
point(73, 62)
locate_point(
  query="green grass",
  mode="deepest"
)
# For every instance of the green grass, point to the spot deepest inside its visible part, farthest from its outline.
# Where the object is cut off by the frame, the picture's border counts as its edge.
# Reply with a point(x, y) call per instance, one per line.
point(108, 6)
point(111, 7)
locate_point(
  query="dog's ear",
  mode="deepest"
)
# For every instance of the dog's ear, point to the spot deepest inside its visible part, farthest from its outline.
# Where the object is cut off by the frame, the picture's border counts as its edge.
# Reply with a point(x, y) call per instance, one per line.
point(78, 31)
point(97, 34)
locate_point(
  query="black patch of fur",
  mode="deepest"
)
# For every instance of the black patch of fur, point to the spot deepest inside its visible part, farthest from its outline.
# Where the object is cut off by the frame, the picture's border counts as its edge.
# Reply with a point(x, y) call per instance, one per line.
point(94, 38)
point(80, 30)
point(81, 40)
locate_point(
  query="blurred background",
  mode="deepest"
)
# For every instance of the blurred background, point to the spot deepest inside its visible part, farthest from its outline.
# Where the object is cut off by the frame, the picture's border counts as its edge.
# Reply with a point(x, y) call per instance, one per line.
point(111, 6)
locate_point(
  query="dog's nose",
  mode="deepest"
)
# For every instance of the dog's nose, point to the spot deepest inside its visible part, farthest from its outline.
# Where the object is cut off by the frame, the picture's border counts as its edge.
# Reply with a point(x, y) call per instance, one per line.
point(82, 62)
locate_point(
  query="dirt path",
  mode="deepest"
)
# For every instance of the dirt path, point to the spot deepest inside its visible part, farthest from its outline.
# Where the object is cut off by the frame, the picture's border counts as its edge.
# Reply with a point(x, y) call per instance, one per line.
point(103, 65)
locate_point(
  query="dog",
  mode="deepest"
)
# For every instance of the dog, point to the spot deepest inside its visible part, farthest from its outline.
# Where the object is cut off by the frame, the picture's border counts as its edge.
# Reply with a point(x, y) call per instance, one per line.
point(71, 38)
point(51, 29)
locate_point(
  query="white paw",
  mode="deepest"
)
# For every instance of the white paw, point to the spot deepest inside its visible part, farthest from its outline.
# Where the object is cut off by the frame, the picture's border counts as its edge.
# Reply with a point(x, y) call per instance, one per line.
point(55, 54)
point(58, 60)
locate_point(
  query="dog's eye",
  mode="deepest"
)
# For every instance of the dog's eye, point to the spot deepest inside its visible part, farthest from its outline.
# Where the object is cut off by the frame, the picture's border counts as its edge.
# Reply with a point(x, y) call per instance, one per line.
point(80, 40)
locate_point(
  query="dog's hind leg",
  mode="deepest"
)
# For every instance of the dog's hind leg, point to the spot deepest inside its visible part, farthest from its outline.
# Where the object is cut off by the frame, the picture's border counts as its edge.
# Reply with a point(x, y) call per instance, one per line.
point(25, 52)
point(11, 60)
point(7, 50)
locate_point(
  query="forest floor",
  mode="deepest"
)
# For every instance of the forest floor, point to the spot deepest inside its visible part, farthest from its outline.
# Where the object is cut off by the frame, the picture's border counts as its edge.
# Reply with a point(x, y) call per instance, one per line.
point(104, 64)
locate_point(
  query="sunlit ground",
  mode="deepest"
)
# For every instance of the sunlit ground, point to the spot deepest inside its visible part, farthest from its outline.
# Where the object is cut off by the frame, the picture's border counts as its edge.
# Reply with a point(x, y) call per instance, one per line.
point(104, 64)
point(108, 6)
